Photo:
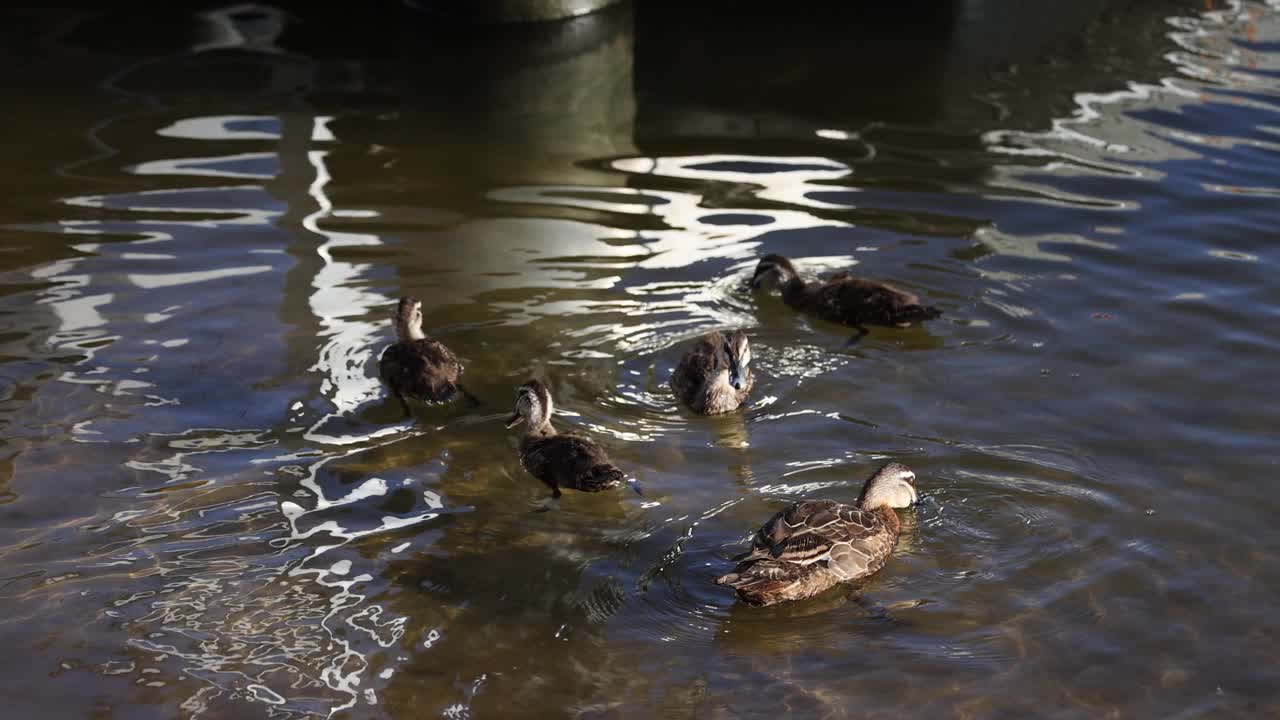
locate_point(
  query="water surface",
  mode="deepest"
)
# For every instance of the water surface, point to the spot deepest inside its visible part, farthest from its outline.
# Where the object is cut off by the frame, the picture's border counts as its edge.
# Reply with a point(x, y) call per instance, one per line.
point(210, 509)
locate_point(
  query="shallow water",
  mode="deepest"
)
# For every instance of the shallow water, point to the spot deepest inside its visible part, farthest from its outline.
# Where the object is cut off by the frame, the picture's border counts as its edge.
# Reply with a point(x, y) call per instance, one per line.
point(210, 509)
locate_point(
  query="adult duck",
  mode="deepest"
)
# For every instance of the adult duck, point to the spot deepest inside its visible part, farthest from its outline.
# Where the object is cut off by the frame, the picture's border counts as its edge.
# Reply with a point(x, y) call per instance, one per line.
point(817, 544)
point(712, 377)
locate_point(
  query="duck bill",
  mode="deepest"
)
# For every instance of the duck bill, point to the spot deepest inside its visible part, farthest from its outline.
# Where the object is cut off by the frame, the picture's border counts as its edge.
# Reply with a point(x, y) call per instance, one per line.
point(514, 419)
point(735, 372)
point(735, 381)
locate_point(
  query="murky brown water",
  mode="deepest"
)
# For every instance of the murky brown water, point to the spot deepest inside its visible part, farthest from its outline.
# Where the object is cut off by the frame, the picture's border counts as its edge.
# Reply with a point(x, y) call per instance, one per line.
point(211, 510)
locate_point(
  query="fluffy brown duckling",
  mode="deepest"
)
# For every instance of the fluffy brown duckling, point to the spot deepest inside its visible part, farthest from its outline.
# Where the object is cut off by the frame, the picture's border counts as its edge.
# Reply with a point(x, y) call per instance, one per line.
point(817, 544)
point(560, 461)
point(713, 376)
point(416, 366)
point(845, 298)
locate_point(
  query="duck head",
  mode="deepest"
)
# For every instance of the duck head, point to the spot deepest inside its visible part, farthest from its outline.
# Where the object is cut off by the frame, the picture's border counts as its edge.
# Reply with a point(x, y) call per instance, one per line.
point(533, 405)
point(893, 485)
point(772, 272)
point(409, 319)
point(736, 353)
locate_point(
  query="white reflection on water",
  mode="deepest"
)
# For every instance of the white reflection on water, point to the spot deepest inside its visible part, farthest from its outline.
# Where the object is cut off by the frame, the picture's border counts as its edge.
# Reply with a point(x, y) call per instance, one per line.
point(1033, 247)
point(781, 179)
point(256, 596)
point(339, 303)
point(224, 127)
point(229, 166)
point(664, 311)
point(151, 282)
point(196, 201)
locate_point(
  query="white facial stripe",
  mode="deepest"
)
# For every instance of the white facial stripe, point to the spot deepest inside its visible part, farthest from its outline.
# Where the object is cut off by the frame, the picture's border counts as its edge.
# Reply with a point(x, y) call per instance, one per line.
point(530, 402)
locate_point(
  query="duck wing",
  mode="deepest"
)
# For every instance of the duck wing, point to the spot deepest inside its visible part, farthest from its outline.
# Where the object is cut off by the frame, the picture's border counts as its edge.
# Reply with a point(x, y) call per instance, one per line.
point(570, 461)
point(807, 531)
point(857, 299)
point(860, 300)
point(807, 548)
point(424, 369)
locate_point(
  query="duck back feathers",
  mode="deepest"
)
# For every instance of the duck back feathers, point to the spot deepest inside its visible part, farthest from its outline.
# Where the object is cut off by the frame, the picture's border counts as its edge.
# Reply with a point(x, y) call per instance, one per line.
point(417, 366)
point(810, 547)
point(424, 370)
point(561, 461)
point(845, 298)
point(569, 461)
point(851, 300)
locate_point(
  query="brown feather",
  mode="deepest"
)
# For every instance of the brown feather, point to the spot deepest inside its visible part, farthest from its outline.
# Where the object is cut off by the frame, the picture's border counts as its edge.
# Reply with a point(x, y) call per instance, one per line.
point(424, 370)
point(699, 378)
point(561, 461)
point(851, 300)
point(569, 461)
point(813, 545)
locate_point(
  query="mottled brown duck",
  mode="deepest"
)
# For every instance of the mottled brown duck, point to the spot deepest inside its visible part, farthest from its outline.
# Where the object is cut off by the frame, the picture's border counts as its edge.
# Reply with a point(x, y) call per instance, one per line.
point(713, 376)
point(817, 544)
point(416, 366)
point(561, 461)
point(845, 298)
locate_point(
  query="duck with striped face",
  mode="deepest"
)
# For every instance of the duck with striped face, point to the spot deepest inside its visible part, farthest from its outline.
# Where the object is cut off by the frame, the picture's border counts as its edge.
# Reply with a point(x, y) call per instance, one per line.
point(561, 461)
point(533, 406)
point(815, 545)
point(714, 375)
point(773, 273)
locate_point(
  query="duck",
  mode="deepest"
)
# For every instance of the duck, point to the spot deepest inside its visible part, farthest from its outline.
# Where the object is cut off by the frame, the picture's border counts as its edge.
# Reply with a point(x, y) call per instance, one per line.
point(815, 545)
point(844, 298)
point(712, 377)
point(561, 461)
point(416, 366)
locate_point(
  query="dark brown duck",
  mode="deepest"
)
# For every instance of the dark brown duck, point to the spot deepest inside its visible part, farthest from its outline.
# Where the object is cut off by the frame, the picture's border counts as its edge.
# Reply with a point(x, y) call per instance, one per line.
point(712, 376)
point(560, 461)
point(845, 298)
point(817, 544)
point(417, 366)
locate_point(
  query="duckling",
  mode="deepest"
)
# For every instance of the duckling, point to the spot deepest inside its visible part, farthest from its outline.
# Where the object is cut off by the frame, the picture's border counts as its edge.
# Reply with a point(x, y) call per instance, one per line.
point(416, 366)
point(844, 298)
point(816, 544)
point(570, 461)
point(713, 376)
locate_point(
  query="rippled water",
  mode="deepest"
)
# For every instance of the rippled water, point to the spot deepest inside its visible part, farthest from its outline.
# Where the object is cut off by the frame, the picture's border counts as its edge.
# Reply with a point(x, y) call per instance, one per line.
point(209, 508)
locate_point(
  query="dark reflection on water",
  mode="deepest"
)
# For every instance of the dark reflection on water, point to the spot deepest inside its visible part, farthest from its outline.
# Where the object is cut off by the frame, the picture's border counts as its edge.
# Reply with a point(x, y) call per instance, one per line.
point(211, 510)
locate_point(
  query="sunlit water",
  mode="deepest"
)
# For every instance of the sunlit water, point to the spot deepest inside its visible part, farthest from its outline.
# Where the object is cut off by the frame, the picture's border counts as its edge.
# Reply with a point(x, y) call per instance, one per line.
point(210, 509)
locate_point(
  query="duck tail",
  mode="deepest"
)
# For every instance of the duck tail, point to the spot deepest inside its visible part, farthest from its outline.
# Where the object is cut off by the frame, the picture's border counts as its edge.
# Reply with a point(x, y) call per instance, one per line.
point(756, 590)
point(929, 312)
point(765, 582)
point(729, 579)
